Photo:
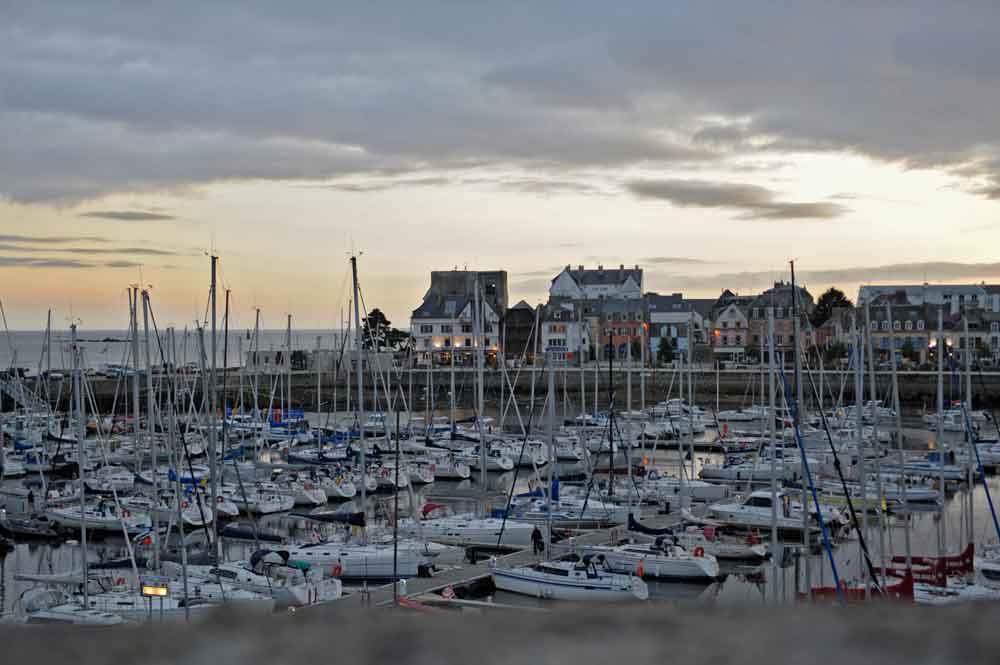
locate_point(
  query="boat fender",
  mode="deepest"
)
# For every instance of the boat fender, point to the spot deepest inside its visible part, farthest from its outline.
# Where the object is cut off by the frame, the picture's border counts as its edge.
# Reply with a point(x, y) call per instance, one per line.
point(640, 571)
point(126, 513)
point(120, 581)
point(699, 551)
point(184, 505)
point(219, 499)
point(337, 570)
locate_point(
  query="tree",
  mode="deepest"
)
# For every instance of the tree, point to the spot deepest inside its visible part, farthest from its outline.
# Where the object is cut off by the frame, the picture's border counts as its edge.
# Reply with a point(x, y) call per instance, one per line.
point(665, 353)
point(375, 331)
point(829, 301)
point(636, 349)
point(833, 353)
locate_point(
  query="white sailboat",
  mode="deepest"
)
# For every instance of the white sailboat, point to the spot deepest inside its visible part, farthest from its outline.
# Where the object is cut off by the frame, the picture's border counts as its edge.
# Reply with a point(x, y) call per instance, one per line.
point(580, 581)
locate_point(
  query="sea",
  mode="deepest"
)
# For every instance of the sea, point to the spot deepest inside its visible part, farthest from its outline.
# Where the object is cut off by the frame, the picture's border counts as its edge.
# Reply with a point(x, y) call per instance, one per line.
point(28, 349)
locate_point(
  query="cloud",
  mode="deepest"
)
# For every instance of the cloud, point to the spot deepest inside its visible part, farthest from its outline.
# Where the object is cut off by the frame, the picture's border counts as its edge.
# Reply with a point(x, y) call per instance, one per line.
point(121, 264)
point(27, 262)
point(90, 251)
point(894, 273)
point(753, 201)
point(681, 260)
point(127, 215)
point(383, 185)
point(50, 240)
point(313, 92)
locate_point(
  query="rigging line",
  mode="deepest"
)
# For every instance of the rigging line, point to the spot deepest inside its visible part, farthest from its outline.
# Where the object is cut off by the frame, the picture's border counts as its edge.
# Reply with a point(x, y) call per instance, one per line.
point(793, 405)
point(979, 463)
point(843, 483)
point(183, 440)
point(517, 466)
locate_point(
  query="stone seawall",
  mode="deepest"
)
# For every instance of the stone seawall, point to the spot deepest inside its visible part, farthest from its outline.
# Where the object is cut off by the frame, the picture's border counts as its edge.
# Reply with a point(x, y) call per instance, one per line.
point(918, 390)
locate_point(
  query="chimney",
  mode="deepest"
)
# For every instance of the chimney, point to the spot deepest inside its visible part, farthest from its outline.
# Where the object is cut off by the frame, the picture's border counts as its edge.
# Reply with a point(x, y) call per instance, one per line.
point(600, 267)
point(581, 268)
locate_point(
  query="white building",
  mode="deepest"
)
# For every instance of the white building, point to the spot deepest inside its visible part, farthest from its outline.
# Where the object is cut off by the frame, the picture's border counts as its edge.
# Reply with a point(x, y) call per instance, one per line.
point(954, 296)
point(445, 320)
point(612, 284)
point(566, 334)
point(671, 317)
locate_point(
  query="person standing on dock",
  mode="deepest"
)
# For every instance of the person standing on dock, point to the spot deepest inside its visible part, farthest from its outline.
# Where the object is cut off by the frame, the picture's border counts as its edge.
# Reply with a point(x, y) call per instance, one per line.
point(537, 541)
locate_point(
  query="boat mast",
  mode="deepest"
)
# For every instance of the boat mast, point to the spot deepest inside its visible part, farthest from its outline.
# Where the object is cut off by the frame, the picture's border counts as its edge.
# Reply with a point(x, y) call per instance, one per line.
point(137, 374)
point(859, 387)
point(690, 387)
point(869, 341)
point(477, 343)
point(942, 531)
point(796, 422)
point(551, 422)
point(80, 436)
point(361, 387)
point(213, 444)
point(971, 479)
point(151, 430)
point(899, 428)
point(774, 452)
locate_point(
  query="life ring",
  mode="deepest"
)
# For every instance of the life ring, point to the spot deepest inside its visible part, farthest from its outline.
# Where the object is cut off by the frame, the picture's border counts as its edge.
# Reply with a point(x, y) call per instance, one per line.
point(699, 551)
point(337, 570)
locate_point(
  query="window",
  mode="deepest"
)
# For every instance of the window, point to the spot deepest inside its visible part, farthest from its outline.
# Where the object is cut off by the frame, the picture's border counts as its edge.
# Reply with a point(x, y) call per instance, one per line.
point(874, 325)
point(779, 312)
point(446, 328)
point(466, 327)
point(488, 327)
point(427, 343)
point(909, 325)
point(885, 325)
point(994, 326)
point(756, 312)
point(447, 343)
point(486, 341)
point(468, 342)
point(616, 316)
point(725, 324)
point(777, 339)
point(739, 340)
point(920, 325)
point(426, 328)
point(756, 339)
point(896, 324)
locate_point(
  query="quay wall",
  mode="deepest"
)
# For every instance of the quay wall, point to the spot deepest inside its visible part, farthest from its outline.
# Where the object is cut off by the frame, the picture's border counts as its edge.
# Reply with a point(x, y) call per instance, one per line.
point(918, 390)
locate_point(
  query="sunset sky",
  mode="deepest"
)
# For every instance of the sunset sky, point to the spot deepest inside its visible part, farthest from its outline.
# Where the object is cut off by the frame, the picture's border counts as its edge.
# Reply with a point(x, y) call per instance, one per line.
point(708, 142)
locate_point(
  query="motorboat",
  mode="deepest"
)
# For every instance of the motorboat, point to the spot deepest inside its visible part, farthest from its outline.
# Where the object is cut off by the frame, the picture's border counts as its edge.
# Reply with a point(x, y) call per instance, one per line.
point(373, 561)
point(661, 559)
point(588, 579)
point(466, 530)
point(99, 516)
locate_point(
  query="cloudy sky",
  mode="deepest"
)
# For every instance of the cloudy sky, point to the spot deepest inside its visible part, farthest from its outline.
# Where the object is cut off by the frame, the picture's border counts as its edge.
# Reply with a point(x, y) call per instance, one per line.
point(710, 142)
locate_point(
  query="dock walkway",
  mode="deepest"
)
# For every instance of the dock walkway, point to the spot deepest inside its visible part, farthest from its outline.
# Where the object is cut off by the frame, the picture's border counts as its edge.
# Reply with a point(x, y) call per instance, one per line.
point(465, 573)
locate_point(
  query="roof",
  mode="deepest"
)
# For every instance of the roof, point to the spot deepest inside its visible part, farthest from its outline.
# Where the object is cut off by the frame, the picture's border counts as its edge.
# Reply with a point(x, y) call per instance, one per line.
point(780, 295)
point(601, 275)
point(452, 290)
